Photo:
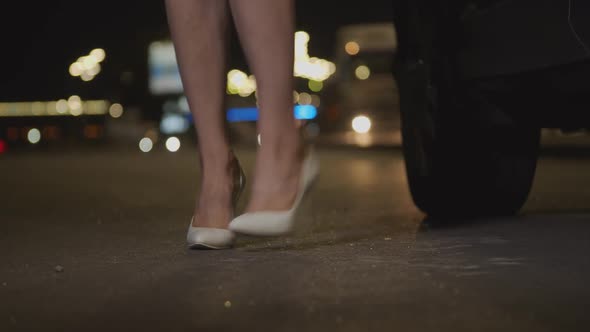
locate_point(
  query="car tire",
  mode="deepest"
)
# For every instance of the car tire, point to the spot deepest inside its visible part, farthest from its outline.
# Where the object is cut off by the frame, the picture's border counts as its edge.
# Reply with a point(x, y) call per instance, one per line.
point(464, 156)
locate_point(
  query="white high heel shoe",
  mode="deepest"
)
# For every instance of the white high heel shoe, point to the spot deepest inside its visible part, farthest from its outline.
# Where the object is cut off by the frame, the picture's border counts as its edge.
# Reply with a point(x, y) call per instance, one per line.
point(274, 223)
point(217, 238)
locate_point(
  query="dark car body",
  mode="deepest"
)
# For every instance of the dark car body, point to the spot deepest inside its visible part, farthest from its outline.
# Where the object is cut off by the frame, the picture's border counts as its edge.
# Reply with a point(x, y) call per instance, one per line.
point(535, 53)
point(478, 79)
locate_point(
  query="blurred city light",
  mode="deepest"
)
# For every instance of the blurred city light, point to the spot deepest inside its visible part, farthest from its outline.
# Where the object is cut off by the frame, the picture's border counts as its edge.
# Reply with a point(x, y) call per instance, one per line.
point(88, 62)
point(95, 107)
point(315, 86)
point(87, 67)
point(314, 69)
point(361, 124)
point(146, 144)
point(61, 106)
point(164, 76)
point(86, 77)
point(310, 67)
point(183, 104)
point(34, 136)
point(98, 54)
point(38, 108)
point(332, 68)
point(116, 110)
point(301, 41)
point(94, 70)
point(76, 111)
point(244, 114)
point(75, 105)
point(304, 98)
point(362, 72)
point(352, 48)
point(173, 123)
point(3, 146)
point(76, 69)
point(305, 112)
point(173, 144)
point(240, 83)
point(315, 100)
point(241, 114)
point(72, 107)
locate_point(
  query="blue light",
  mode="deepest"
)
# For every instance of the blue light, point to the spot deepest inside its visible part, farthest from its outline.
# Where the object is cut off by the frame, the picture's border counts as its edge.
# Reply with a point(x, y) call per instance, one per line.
point(305, 112)
point(242, 114)
point(172, 124)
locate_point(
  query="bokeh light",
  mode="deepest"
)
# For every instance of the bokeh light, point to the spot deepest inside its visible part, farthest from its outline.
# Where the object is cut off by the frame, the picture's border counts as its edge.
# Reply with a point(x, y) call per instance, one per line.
point(88, 62)
point(61, 106)
point(76, 69)
point(315, 100)
point(352, 48)
point(116, 110)
point(361, 124)
point(146, 144)
point(99, 54)
point(86, 77)
point(88, 66)
point(75, 105)
point(315, 86)
point(362, 72)
point(94, 70)
point(34, 136)
point(239, 83)
point(173, 144)
point(304, 98)
point(311, 68)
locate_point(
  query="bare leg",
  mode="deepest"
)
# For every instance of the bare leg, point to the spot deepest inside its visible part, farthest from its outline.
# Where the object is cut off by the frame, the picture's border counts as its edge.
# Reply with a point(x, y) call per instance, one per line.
point(266, 31)
point(199, 30)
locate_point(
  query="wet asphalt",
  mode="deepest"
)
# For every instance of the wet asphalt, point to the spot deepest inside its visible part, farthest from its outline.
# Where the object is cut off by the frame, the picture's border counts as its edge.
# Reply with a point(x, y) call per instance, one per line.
point(93, 240)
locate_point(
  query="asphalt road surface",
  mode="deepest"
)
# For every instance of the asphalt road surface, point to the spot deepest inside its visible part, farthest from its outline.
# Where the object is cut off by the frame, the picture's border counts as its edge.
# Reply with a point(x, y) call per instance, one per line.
point(93, 240)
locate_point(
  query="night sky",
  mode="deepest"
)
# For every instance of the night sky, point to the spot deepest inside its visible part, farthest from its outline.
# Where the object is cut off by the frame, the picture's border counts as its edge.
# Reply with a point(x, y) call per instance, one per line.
point(41, 39)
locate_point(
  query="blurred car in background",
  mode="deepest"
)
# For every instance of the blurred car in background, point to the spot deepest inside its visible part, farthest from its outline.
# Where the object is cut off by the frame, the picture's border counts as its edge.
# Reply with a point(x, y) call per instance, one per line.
point(478, 80)
point(360, 103)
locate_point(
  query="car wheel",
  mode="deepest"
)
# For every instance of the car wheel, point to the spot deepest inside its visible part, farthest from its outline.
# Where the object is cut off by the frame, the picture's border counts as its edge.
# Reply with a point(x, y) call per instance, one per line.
point(464, 156)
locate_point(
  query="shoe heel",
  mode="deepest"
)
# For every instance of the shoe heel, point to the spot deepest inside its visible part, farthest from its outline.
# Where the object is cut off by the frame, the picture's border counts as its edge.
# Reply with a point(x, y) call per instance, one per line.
point(213, 238)
point(239, 179)
point(276, 223)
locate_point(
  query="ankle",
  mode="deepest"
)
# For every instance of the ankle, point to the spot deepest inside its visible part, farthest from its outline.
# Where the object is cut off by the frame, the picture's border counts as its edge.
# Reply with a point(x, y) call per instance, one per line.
point(219, 164)
point(282, 147)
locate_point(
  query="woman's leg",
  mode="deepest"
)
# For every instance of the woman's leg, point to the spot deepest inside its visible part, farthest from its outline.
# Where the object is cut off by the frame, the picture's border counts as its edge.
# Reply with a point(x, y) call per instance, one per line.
point(199, 30)
point(266, 30)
